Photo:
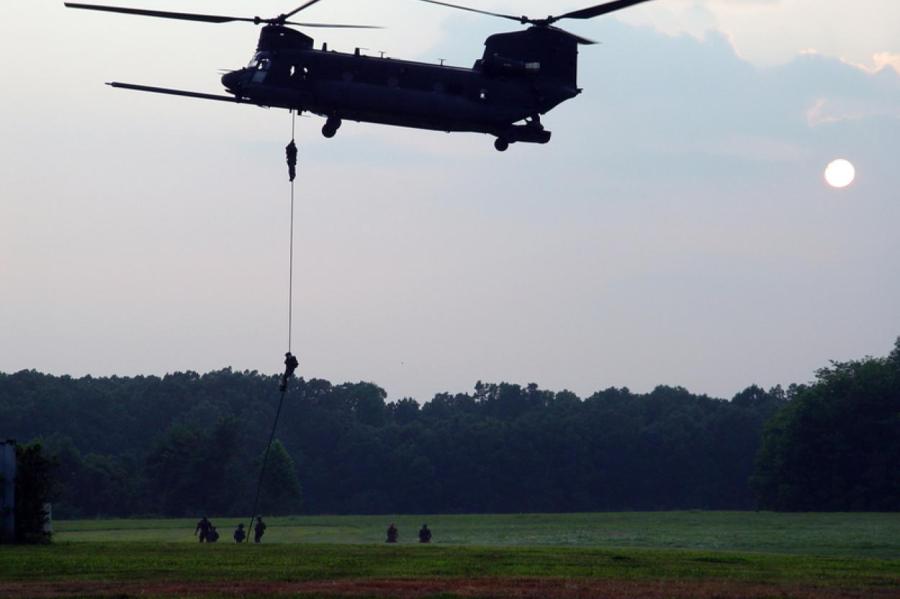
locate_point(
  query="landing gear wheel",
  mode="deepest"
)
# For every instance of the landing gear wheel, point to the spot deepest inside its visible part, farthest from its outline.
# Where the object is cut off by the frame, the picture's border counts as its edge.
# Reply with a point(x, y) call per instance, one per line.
point(331, 127)
point(501, 144)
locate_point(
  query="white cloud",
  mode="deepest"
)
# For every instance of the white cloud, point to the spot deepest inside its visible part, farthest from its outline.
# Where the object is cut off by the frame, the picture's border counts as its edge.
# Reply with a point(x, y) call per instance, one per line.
point(828, 112)
point(773, 32)
point(881, 61)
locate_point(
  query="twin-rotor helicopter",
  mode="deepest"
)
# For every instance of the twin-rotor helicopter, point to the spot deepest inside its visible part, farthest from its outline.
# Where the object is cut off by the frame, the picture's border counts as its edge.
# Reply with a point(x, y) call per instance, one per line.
point(521, 76)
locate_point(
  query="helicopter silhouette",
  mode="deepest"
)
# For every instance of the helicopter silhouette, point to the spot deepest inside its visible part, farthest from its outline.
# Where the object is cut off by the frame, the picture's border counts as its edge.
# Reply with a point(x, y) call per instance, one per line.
point(521, 76)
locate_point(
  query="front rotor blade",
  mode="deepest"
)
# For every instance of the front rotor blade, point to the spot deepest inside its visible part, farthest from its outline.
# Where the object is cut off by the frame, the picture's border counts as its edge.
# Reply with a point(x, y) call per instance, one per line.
point(481, 12)
point(601, 9)
point(159, 13)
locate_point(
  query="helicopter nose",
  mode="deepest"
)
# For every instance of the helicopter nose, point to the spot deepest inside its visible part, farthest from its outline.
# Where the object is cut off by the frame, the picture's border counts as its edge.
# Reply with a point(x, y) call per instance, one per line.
point(233, 81)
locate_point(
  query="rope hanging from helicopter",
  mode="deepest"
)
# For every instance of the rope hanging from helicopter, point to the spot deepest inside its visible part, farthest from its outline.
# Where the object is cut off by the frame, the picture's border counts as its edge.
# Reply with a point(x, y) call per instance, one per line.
point(290, 362)
point(291, 152)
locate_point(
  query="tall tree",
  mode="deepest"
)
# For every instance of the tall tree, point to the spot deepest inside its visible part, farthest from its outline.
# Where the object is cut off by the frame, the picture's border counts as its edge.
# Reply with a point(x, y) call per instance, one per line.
point(836, 445)
point(280, 493)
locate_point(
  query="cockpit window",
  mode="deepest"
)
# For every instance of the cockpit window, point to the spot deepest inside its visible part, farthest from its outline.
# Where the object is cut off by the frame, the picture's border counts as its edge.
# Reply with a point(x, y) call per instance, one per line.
point(260, 62)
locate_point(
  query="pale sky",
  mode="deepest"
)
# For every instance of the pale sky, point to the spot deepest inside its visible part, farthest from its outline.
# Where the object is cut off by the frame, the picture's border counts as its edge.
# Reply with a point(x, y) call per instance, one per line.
point(676, 230)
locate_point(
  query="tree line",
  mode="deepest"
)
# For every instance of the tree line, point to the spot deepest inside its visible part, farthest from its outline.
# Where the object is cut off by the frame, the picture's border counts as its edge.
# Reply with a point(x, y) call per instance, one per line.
point(187, 443)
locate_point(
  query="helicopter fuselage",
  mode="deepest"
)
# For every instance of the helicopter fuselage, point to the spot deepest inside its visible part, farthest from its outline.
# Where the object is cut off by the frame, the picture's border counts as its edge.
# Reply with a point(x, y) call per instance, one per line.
point(499, 91)
point(521, 76)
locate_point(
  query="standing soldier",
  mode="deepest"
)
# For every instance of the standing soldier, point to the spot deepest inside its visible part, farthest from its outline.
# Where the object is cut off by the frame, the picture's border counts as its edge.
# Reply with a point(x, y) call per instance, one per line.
point(239, 534)
point(425, 534)
point(203, 527)
point(392, 534)
point(259, 530)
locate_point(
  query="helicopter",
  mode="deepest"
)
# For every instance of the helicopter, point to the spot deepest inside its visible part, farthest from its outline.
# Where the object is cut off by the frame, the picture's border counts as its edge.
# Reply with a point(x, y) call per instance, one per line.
point(521, 76)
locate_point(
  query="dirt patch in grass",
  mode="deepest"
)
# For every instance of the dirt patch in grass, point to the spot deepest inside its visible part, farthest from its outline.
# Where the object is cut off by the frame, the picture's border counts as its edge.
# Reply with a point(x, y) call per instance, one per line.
point(494, 588)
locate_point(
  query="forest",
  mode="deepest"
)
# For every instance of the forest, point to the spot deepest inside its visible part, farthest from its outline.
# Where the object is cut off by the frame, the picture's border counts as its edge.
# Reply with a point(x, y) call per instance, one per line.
point(185, 444)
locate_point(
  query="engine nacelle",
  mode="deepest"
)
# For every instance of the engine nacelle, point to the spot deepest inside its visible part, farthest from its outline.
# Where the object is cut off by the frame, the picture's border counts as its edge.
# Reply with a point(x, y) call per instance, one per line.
point(502, 65)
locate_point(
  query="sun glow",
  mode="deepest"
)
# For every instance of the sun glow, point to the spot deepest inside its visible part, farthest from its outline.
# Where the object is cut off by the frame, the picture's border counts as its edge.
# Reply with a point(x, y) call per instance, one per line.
point(840, 173)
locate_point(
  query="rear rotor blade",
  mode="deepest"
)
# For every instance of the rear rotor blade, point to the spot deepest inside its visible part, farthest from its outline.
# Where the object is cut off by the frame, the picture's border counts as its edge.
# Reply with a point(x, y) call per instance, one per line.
point(333, 25)
point(162, 14)
point(600, 9)
point(482, 12)
point(581, 40)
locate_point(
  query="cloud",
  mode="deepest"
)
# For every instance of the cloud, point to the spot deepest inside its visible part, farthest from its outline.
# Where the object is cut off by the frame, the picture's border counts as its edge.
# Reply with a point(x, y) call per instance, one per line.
point(773, 32)
point(881, 61)
point(826, 112)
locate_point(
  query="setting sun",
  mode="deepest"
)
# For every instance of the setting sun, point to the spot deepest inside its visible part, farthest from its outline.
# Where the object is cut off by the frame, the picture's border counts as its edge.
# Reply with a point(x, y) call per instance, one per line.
point(840, 173)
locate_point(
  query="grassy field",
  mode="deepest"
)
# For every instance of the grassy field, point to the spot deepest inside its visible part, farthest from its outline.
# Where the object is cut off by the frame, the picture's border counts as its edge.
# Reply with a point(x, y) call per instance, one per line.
point(702, 555)
point(849, 535)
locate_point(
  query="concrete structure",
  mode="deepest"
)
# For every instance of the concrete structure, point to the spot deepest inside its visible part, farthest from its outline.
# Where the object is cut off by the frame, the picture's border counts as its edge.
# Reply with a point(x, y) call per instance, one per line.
point(7, 491)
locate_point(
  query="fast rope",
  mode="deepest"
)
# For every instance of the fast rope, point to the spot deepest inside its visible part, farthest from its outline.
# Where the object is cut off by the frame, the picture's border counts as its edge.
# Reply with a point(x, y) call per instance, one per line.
point(290, 361)
point(291, 152)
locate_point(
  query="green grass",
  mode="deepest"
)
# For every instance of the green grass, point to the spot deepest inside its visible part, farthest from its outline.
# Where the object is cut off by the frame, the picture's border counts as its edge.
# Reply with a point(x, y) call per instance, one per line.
point(291, 563)
point(847, 535)
point(841, 555)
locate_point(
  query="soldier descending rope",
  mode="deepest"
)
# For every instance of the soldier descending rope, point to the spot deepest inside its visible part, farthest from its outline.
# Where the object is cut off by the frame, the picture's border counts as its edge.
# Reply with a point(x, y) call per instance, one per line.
point(291, 151)
point(290, 361)
point(290, 365)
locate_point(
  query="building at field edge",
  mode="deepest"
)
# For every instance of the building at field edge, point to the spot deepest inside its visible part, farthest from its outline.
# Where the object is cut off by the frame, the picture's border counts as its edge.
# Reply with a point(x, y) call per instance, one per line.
point(7, 491)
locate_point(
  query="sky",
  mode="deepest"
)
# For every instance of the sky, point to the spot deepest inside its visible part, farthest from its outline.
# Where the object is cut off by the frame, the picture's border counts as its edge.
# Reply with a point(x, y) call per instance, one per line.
point(677, 229)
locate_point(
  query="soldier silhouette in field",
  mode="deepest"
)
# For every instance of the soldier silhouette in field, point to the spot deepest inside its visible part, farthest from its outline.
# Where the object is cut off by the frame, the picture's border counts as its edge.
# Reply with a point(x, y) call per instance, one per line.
point(392, 534)
point(239, 534)
point(259, 530)
point(425, 534)
point(204, 526)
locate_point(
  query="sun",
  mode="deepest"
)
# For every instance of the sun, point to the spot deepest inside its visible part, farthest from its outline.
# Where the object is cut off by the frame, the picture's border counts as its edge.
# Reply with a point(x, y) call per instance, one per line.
point(840, 173)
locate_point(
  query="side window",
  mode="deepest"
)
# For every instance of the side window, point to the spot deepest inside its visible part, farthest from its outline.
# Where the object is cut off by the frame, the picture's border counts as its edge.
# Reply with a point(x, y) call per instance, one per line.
point(299, 72)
